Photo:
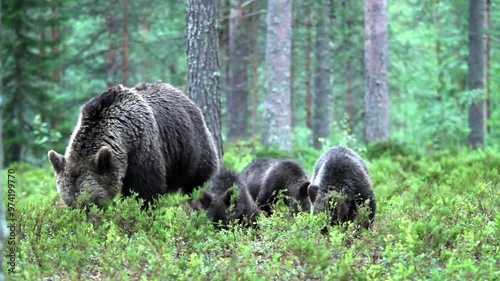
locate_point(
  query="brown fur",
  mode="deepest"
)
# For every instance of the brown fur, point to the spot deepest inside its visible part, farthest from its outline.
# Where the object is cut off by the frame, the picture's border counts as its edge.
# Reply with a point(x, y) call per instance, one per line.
point(266, 177)
point(150, 139)
point(340, 184)
point(216, 200)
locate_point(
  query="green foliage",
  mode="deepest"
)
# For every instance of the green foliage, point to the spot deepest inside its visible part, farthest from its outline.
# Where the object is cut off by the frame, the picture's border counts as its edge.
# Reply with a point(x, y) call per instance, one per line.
point(43, 73)
point(437, 219)
point(388, 148)
point(56, 56)
point(27, 62)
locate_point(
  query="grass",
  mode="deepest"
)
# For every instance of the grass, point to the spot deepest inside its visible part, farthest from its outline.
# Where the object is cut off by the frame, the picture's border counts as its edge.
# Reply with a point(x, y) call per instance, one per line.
point(438, 218)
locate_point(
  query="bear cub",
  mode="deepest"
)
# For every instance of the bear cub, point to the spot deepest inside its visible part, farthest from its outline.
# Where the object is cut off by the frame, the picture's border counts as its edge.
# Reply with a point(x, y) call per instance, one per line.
point(216, 200)
point(340, 185)
point(266, 178)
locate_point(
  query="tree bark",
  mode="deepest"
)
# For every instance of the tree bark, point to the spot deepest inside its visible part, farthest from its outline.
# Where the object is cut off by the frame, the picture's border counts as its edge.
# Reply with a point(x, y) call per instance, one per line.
point(377, 119)
point(322, 76)
point(488, 62)
point(111, 63)
point(203, 64)
point(125, 69)
point(309, 96)
point(277, 129)
point(349, 23)
point(255, 69)
point(56, 73)
point(237, 81)
point(350, 100)
point(146, 28)
point(292, 86)
point(475, 80)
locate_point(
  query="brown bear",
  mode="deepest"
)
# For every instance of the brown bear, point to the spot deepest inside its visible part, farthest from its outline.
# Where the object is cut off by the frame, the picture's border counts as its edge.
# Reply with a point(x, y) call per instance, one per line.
point(340, 185)
point(266, 177)
point(216, 200)
point(150, 139)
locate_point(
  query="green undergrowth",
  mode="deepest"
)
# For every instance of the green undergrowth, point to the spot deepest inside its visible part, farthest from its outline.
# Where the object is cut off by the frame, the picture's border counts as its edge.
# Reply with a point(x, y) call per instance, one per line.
point(438, 218)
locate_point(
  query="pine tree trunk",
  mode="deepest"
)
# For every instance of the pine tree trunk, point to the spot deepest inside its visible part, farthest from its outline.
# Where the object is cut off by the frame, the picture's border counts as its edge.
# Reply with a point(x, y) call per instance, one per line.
point(322, 75)
point(255, 69)
point(203, 64)
point(292, 86)
point(111, 63)
point(377, 119)
point(349, 72)
point(477, 110)
point(237, 81)
point(223, 31)
point(125, 69)
point(277, 122)
point(350, 101)
point(309, 96)
point(56, 73)
point(146, 28)
point(488, 62)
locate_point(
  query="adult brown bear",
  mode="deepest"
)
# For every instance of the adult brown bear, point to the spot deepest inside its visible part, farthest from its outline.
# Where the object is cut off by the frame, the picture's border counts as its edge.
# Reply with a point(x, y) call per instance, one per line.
point(150, 139)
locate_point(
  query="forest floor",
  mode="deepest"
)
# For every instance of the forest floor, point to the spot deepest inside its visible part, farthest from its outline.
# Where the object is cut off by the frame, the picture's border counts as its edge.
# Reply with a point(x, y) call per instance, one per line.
point(438, 218)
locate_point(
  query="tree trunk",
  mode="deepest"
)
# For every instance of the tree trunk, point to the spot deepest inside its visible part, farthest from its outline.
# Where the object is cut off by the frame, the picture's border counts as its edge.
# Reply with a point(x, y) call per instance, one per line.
point(277, 129)
point(146, 28)
point(22, 112)
point(125, 43)
point(350, 101)
point(255, 68)
point(322, 76)
point(475, 80)
point(292, 86)
point(111, 64)
point(56, 73)
point(237, 81)
point(223, 35)
point(488, 63)
point(349, 25)
point(377, 119)
point(203, 64)
point(309, 98)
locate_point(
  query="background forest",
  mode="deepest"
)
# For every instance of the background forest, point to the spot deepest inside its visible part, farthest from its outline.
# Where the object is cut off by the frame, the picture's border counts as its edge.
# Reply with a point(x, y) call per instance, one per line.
point(437, 194)
point(56, 55)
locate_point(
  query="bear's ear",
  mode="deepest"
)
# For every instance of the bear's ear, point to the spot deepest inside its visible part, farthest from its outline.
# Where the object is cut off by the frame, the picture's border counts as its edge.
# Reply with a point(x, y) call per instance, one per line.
point(312, 190)
point(103, 160)
point(205, 200)
point(227, 197)
point(57, 161)
point(303, 189)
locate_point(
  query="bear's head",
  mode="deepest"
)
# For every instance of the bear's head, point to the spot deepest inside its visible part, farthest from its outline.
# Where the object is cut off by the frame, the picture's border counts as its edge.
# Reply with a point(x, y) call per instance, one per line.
point(89, 180)
point(217, 207)
point(330, 201)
